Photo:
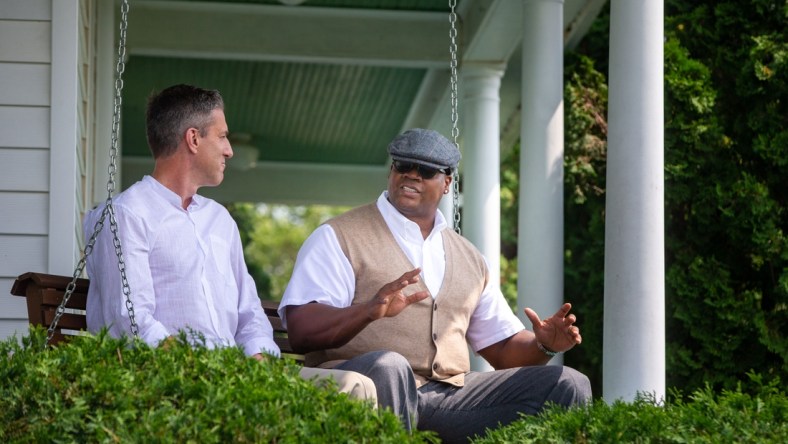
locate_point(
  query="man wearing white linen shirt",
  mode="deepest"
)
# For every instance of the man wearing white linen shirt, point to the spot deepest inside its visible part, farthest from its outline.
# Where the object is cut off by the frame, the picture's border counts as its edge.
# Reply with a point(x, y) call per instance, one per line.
point(182, 252)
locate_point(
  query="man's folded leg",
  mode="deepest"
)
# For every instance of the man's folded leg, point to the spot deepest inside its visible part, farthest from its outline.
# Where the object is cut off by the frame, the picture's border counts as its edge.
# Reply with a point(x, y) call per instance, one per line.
point(355, 384)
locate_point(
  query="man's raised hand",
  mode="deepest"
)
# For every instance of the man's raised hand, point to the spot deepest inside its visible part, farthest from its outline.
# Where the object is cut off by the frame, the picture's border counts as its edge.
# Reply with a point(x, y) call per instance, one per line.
point(390, 300)
point(558, 332)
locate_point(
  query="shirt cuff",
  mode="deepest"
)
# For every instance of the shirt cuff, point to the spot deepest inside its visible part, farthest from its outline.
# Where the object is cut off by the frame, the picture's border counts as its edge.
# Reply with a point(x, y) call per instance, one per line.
point(155, 334)
point(261, 345)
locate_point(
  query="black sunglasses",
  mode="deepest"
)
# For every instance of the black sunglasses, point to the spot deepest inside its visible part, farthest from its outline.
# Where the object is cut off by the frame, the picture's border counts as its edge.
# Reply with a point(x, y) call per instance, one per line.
point(424, 171)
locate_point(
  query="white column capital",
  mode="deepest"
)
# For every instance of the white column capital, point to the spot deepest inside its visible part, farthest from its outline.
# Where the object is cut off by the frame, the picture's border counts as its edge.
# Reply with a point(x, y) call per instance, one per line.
point(482, 68)
point(482, 81)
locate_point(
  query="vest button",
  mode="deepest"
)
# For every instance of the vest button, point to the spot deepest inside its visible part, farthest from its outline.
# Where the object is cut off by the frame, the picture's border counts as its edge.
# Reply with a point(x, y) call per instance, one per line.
point(434, 336)
point(435, 366)
point(435, 307)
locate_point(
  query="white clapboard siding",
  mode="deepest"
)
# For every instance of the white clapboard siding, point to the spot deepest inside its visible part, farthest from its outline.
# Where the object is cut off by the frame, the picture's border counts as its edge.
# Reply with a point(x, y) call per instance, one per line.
point(11, 307)
point(18, 254)
point(22, 253)
point(47, 130)
point(24, 169)
point(26, 9)
point(13, 328)
point(25, 84)
point(22, 213)
point(24, 127)
point(25, 41)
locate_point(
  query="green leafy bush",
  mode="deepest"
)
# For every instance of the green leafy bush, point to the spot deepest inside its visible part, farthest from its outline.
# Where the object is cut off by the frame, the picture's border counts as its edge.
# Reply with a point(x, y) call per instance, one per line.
point(705, 417)
point(100, 389)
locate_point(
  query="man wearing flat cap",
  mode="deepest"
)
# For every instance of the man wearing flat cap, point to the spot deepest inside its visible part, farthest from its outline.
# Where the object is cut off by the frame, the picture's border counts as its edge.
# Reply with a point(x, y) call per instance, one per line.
point(389, 290)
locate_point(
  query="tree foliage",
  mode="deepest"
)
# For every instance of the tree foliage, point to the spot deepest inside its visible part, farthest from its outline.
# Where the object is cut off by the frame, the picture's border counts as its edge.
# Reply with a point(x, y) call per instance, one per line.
point(726, 151)
point(272, 236)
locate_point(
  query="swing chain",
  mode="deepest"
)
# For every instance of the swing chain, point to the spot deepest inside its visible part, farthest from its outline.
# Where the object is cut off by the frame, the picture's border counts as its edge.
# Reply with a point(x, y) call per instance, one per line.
point(455, 131)
point(109, 208)
point(120, 67)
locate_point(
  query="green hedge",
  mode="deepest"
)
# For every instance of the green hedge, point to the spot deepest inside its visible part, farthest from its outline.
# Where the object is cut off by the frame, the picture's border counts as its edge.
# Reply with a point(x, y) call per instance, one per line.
point(100, 389)
point(734, 416)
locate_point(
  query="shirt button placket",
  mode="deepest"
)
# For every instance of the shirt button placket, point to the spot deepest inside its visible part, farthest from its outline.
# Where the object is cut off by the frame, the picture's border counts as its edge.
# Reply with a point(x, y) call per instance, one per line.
point(434, 334)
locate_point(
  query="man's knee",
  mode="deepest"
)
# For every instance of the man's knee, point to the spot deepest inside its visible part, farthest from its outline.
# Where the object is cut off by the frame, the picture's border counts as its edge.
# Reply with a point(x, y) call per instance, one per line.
point(575, 388)
point(390, 360)
point(394, 382)
point(355, 384)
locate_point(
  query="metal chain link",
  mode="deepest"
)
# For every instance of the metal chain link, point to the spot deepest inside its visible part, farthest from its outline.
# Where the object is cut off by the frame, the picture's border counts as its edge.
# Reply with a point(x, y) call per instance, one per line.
point(455, 131)
point(120, 67)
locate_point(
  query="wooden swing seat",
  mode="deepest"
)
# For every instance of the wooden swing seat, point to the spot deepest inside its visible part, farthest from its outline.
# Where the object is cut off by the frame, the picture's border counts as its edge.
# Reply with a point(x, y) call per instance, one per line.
point(44, 293)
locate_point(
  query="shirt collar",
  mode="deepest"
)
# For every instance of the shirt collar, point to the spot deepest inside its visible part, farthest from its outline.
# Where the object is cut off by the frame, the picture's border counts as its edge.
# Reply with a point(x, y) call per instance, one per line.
point(170, 196)
point(399, 223)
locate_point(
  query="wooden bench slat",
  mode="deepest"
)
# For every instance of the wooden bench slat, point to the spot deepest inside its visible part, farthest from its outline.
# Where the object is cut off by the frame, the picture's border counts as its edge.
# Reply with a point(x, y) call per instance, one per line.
point(270, 308)
point(52, 297)
point(70, 321)
point(284, 344)
point(276, 323)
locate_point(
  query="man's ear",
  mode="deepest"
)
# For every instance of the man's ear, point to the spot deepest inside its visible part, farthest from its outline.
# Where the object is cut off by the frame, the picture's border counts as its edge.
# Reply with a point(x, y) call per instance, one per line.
point(192, 139)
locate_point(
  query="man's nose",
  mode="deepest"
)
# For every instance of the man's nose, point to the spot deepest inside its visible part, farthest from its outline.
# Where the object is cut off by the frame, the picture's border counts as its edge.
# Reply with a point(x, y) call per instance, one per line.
point(412, 173)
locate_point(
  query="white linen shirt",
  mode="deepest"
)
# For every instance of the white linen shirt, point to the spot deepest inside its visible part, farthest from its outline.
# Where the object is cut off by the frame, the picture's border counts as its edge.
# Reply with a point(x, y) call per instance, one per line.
point(185, 270)
point(323, 274)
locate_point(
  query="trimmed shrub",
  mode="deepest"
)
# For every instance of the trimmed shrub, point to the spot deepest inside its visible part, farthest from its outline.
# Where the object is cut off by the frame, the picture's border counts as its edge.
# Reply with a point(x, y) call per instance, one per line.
point(100, 389)
point(705, 417)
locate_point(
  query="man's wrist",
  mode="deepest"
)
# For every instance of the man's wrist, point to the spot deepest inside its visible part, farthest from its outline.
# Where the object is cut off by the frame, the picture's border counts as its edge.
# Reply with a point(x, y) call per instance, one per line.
point(546, 350)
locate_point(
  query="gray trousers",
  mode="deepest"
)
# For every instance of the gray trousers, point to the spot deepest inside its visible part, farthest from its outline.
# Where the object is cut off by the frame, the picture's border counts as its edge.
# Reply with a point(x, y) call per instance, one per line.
point(487, 400)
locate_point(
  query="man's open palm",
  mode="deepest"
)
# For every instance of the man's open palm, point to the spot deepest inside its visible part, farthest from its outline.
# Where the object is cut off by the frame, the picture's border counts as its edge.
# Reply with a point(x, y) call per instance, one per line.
point(390, 299)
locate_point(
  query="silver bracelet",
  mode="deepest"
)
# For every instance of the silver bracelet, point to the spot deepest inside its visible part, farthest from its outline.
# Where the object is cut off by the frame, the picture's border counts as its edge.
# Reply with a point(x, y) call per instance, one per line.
point(546, 350)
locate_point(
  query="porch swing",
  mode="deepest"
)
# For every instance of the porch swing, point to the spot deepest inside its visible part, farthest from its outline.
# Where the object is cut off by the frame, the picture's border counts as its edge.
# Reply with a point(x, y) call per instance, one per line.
point(58, 302)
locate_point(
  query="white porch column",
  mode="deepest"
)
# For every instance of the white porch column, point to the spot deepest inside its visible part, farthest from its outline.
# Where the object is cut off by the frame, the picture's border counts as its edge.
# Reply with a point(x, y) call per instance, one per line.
point(482, 163)
point(540, 247)
point(63, 170)
point(634, 331)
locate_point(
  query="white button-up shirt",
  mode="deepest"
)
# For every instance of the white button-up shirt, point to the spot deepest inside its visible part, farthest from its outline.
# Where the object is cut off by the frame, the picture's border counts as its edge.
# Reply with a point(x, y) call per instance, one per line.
point(323, 274)
point(185, 270)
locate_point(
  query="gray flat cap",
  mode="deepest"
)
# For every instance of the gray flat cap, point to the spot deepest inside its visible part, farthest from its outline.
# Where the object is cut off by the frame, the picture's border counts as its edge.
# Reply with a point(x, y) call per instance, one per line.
point(426, 147)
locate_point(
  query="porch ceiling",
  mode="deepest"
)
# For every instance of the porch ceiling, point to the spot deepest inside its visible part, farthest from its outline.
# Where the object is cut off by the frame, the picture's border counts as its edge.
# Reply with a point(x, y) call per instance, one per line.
point(320, 88)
